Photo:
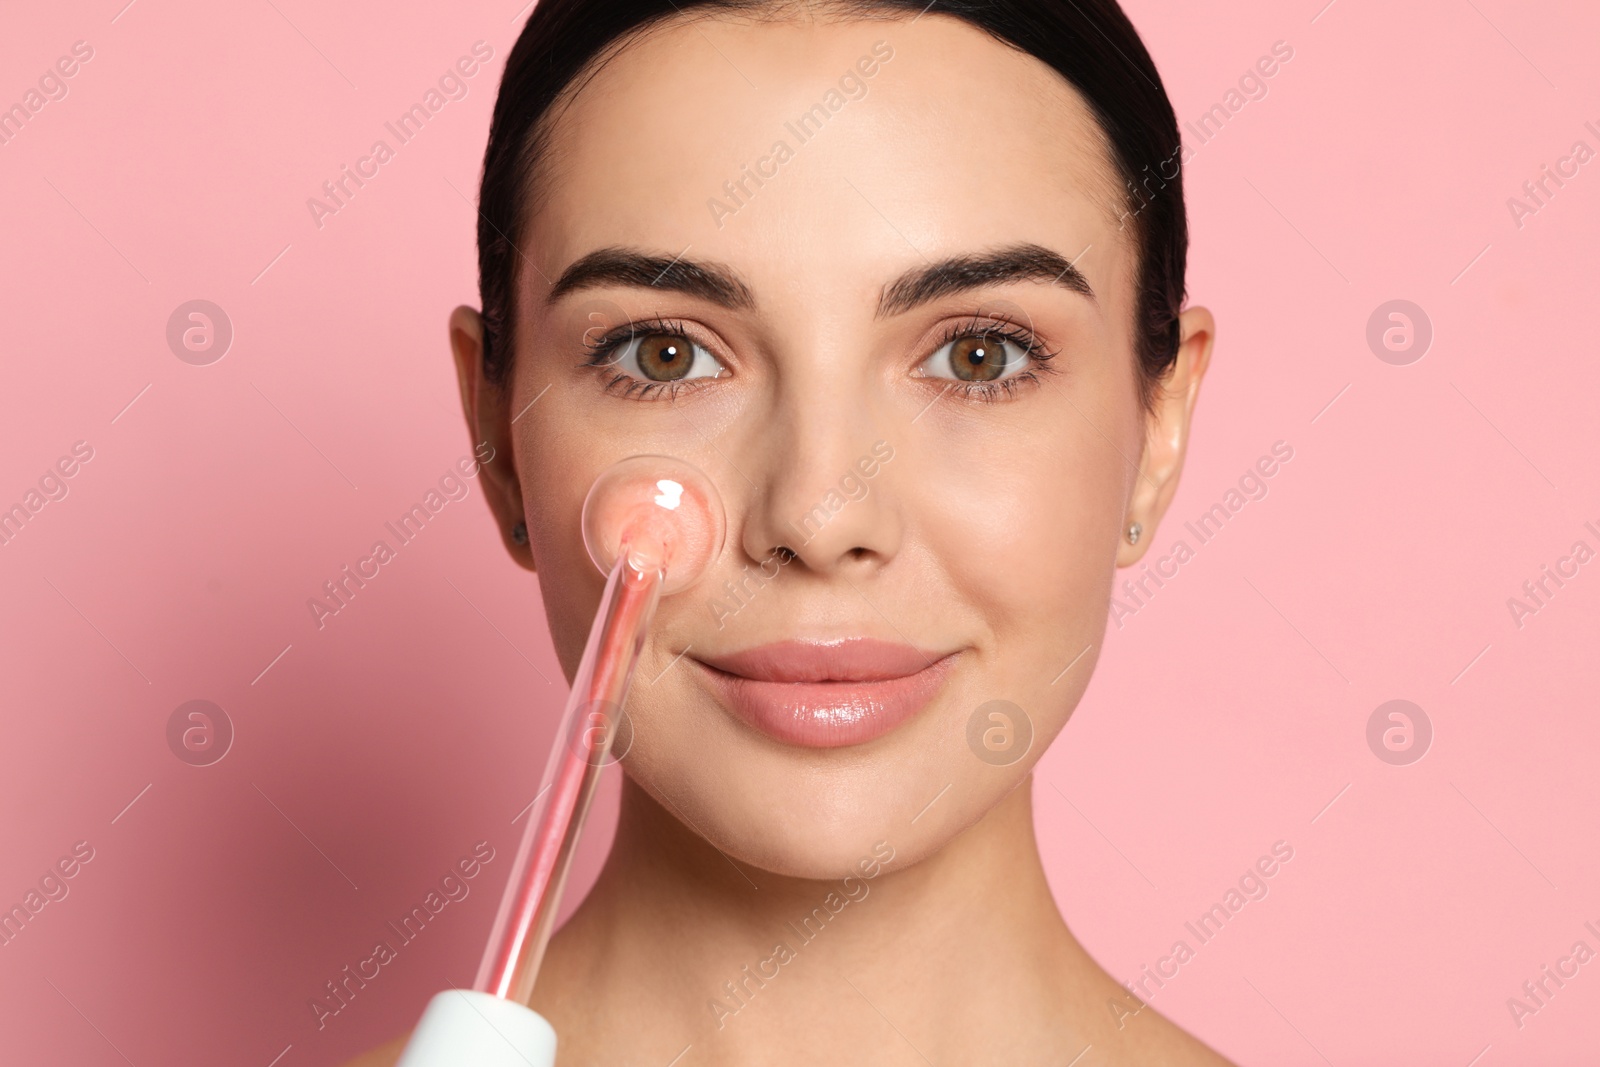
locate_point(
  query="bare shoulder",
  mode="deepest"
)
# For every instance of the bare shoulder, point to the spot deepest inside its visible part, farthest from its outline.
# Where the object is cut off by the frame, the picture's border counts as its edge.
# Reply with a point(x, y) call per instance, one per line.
point(1144, 1036)
point(1124, 1029)
point(382, 1056)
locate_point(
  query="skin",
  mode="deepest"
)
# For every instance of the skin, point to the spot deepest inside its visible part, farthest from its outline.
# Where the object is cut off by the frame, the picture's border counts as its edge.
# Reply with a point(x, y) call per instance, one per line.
point(993, 533)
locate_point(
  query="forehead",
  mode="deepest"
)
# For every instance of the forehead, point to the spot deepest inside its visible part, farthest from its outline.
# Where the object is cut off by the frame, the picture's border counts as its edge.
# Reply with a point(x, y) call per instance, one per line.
point(813, 156)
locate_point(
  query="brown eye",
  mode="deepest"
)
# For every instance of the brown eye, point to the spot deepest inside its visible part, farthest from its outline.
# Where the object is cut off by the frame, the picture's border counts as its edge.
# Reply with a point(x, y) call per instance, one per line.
point(665, 357)
point(653, 357)
point(978, 357)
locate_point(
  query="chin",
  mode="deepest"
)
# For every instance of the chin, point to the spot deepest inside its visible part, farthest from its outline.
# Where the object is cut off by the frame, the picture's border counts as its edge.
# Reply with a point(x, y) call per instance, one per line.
point(815, 812)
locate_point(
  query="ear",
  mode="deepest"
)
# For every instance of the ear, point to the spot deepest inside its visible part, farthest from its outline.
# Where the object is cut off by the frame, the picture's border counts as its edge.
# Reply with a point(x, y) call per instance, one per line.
point(1167, 432)
point(486, 406)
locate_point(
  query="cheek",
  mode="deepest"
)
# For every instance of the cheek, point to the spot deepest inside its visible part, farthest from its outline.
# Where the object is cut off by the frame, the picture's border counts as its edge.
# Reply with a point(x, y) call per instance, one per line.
point(1033, 559)
point(1032, 545)
point(555, 479)
point(1027, 537)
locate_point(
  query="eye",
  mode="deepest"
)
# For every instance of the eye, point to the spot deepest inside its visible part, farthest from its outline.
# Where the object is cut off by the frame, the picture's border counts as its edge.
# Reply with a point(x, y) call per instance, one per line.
point(977, 356)
point(656, 355)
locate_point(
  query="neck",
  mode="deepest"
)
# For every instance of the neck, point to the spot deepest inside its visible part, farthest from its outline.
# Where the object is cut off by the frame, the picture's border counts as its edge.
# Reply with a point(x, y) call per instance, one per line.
point(678, 944)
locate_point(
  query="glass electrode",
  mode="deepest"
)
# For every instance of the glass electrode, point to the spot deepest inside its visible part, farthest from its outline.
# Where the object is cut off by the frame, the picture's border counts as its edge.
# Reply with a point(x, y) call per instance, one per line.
point(652, 524)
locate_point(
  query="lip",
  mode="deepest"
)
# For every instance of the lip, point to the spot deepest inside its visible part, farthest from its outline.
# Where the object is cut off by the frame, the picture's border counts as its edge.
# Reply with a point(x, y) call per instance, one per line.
point(827, 694)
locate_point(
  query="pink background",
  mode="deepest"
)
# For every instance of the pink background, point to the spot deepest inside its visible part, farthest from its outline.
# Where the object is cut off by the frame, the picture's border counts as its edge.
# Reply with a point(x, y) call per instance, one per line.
point(1226, 714)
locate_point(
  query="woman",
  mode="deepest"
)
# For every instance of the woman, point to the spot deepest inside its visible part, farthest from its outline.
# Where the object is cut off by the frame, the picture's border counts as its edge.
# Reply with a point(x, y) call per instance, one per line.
point(905, 282)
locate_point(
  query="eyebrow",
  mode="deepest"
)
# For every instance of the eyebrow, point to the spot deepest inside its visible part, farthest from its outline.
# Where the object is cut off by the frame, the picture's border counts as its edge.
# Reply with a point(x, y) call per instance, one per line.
point(721, 285)
point(1014, 263)
point(644, 270)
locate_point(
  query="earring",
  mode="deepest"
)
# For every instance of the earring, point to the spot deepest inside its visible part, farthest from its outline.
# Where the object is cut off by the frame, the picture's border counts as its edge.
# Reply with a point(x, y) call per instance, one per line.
point(519, 533)
point(1134, 530)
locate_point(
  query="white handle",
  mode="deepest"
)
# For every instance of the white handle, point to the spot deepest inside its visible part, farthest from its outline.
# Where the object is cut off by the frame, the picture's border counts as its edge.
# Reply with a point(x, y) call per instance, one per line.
point(465, 1028)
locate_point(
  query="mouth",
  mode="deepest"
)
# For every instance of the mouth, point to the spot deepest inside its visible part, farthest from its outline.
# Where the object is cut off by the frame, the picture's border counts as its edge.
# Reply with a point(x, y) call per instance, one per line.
point(816, 694)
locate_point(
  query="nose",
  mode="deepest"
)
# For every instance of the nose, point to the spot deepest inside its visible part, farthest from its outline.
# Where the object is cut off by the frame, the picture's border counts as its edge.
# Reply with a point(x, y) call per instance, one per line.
point(819, 474)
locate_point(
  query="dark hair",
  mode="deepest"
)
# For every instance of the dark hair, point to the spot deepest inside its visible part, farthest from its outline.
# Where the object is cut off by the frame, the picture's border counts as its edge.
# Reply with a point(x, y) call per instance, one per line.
point(1090, 43)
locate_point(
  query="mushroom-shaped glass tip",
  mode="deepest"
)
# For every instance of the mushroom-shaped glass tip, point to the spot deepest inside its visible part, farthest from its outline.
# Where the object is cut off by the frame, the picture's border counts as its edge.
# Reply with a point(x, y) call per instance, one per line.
point(663, 511)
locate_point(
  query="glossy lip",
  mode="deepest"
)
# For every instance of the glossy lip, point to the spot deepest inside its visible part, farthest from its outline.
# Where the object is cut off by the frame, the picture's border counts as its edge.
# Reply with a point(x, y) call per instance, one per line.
point(818, 694)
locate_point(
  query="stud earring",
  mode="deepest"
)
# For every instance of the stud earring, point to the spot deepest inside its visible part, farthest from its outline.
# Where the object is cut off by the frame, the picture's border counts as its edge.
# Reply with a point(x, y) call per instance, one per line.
point(1134, 530)
point(519, 533)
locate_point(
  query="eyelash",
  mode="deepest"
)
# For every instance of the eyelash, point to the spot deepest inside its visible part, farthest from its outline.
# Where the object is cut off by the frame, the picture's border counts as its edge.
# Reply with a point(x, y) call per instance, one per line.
point(602, 351)
point(1000, 388)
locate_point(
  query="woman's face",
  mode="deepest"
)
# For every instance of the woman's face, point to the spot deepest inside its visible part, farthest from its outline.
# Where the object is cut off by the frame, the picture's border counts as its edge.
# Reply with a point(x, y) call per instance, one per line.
point(847, 237)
